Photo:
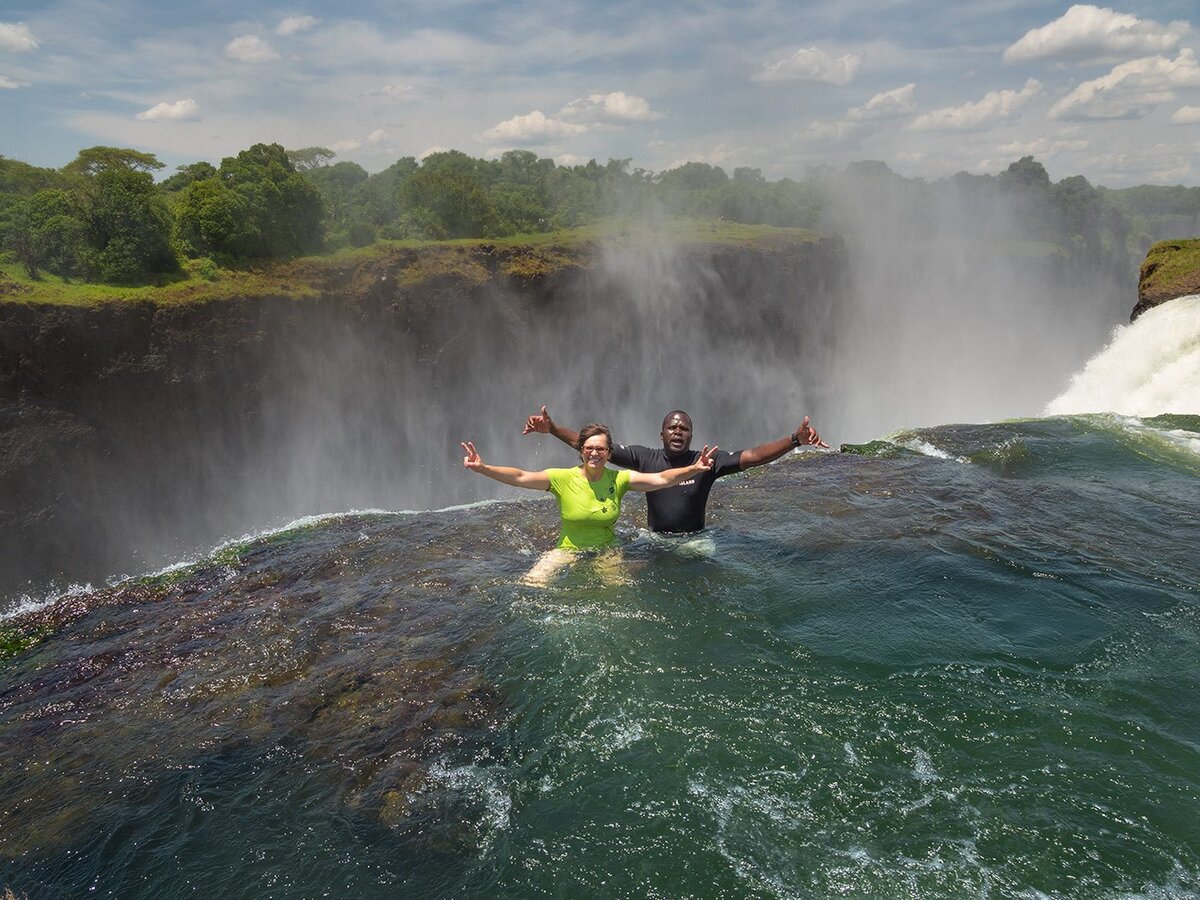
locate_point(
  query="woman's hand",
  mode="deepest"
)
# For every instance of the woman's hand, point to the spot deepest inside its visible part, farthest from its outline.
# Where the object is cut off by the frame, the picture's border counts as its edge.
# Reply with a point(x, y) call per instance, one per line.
point(655, 481)
point(706, 459)
point(536, 481)
point(472, 460)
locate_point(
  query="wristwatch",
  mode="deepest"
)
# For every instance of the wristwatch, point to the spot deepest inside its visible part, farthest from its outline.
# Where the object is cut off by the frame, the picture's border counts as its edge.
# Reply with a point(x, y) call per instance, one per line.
point(795, 439)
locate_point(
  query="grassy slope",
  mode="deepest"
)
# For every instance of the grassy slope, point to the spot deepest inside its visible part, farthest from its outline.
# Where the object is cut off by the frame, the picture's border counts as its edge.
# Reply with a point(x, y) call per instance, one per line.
point(522, 256)
point(1171, 269)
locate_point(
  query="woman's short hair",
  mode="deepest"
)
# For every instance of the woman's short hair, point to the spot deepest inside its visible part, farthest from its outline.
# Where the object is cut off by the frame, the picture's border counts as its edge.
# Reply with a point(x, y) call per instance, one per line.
point(592, 430)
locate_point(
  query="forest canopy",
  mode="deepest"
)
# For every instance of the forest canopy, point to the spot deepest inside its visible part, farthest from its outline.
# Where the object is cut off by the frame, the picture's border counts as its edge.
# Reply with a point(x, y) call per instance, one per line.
point(103, 217)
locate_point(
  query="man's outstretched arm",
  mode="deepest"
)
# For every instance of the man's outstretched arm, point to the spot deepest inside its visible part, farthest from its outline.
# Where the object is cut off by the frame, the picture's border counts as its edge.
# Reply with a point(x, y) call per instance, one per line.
point(543, 424)
point(804, 436)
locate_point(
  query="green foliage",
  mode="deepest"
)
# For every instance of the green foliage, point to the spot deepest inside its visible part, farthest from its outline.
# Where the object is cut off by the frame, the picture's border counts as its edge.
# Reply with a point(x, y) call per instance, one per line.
point(203, 267)
point(1026, 174)
point(256, 206)
point(109, 225)
point(210, 217)
point(309, 158)
point(100, 217)
point(185, 175)
point(378, 198)
point(95, 160)
point(48, 234)
point(20, 178)
point(127, 227)
point(448, 198)
point(345, 221)
point(1157, 212)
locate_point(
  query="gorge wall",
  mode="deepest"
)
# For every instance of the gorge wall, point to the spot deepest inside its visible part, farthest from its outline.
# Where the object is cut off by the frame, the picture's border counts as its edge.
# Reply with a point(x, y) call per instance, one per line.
point(134, 434)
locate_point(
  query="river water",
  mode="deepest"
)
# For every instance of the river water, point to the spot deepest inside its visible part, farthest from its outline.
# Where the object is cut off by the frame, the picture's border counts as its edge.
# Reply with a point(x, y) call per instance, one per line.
point(961, 661)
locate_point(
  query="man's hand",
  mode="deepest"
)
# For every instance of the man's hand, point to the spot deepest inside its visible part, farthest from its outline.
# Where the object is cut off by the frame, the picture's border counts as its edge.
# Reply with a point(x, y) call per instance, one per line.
point(707, 458)
point(805, 435)
point(539, 423)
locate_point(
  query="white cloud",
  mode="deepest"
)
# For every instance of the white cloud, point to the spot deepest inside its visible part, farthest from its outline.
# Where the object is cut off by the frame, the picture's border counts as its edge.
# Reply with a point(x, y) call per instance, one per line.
point(812, 64)
point(375, 138)
point(720, 155)
point(16, 36)
point(1043, 148)
point(8, 84)
point(534, 128)
point(1186, 115)
point(615, 107)
point(1156, 164)
point(830, 136)
point(179, 111)
point(429, 151)
point(294, 24)
point(250, 48)
point(887, 105)
point(995, 107)
point(1086, 32)
point(1131, 90)
point(398, 91)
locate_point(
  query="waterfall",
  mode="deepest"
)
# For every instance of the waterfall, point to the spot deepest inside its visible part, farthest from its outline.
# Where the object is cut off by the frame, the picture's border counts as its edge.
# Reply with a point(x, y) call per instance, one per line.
point(1150, 367)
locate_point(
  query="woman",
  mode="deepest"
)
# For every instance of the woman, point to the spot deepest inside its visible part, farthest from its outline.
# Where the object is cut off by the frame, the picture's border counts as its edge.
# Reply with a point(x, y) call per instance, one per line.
point(589, 495)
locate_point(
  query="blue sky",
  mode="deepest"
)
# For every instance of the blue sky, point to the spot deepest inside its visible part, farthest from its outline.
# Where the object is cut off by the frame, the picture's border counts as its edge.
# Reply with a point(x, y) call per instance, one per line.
point(932, 88)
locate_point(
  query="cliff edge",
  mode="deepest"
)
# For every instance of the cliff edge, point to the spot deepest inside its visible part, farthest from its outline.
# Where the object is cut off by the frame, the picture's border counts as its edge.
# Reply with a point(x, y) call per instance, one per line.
point(1171, 269)
point(137, 431)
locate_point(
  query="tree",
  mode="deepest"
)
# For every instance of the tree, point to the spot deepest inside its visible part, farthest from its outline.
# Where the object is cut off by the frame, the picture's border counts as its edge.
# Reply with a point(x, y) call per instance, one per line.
point(1025, 174)
point(95, 160)
point(127, 226)
point(18, 177)
point(211, 218)
point(310, 158)
point(572, 197)
point(256, 206)
point(446, 198)
point(185, 175)
point(345, 219)
point(43, 232)
point(380, 195)
point(524, 168)
point(693, 176)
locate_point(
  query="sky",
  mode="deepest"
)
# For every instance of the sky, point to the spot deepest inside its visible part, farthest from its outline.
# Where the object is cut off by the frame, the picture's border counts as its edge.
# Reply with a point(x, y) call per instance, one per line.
point(930, 88)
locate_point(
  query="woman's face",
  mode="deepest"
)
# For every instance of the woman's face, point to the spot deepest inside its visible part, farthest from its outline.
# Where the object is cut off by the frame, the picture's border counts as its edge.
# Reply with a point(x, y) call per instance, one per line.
point(595, 451)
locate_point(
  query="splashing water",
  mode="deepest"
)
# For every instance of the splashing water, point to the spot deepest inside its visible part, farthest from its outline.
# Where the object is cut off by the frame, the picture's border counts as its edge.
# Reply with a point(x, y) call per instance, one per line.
point(962, 662)
point(1149, 368)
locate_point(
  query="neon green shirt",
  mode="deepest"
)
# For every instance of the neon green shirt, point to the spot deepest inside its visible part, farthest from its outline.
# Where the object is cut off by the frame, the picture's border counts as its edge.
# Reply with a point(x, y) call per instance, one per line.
point(589, 510)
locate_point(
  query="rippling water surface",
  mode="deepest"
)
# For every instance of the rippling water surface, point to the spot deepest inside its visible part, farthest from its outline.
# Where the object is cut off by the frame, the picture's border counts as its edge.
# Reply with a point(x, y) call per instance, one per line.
point(964, 661)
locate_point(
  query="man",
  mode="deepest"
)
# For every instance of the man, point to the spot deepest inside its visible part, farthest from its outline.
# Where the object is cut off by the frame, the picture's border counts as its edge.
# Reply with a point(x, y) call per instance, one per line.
point(681, 508)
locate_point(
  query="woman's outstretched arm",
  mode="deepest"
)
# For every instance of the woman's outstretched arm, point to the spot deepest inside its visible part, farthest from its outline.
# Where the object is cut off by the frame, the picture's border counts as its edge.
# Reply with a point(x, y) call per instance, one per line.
point(535, 481)
point(654, 481)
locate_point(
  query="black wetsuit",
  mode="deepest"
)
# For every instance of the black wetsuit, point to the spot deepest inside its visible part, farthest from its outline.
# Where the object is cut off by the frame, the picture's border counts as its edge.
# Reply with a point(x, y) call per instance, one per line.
point(679, 508)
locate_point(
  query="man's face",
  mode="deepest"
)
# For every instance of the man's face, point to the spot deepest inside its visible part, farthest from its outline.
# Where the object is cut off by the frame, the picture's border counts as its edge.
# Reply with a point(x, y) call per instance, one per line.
point(677, 433)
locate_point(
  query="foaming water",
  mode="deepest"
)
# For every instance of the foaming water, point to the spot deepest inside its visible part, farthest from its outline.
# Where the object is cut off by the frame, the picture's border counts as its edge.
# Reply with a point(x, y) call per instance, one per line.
point(961, 662)
point(1149, 368)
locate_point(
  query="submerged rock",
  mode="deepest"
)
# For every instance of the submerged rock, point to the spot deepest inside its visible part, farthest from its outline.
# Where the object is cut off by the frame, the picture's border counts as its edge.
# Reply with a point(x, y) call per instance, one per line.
point(327, 659)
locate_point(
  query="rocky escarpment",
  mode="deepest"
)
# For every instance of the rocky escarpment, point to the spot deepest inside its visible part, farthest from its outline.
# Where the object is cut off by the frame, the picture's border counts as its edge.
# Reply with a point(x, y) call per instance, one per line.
point(132, 434)
point(1171, 269)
